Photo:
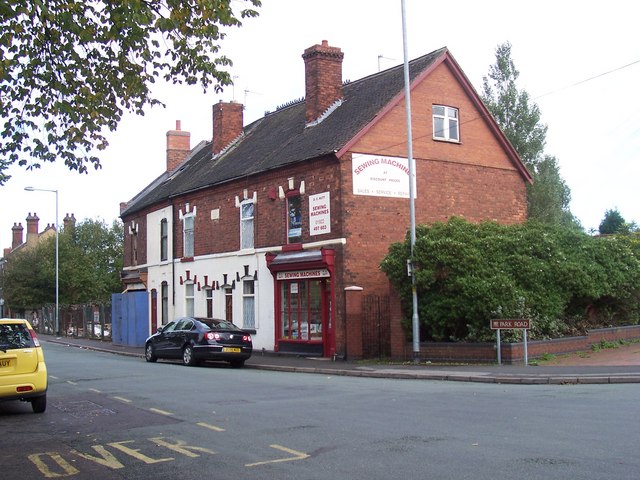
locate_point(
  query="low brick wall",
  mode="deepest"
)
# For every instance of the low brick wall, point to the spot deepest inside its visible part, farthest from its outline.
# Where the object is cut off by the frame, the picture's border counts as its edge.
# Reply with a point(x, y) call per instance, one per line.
point(514, 352)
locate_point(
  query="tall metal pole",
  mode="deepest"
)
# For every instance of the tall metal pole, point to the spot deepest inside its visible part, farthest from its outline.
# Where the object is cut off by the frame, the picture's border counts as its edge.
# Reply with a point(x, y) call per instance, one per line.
point(415, 318)
point(56, 320)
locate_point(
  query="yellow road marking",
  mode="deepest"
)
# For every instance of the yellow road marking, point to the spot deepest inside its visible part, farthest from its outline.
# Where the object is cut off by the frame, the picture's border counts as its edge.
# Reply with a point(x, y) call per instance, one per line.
point(122, 399)
point(161, 412)
point(296, 456)
point(210, 427)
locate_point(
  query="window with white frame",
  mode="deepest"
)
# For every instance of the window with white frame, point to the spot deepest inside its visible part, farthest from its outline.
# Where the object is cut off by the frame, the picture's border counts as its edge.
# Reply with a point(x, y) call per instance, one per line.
point(445, 123)
point(246, 224)
point(189, 293)
point(164, 239)
point(248, 304)
point(165, 302)
point(188, 223)
point(209, 302)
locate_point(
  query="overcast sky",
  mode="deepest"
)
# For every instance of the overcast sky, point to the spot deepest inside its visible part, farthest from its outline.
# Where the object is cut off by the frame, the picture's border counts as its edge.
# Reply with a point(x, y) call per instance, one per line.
point(579, 60)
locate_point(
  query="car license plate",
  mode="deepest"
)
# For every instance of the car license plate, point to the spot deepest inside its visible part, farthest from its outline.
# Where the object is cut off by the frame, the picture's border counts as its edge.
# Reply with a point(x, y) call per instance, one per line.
point(231, 350)
point(6, 362)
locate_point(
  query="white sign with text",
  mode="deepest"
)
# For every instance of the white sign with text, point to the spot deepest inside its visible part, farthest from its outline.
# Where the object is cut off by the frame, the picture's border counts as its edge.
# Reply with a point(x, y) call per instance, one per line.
point(319, 214)
point(380, 176)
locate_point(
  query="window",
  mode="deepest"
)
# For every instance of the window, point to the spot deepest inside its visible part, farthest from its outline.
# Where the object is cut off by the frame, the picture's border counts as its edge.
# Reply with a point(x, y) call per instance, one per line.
point(294, 219)
point(164, 239)
point(248, 304)
point(188, 226)
point(209, 302)
point(246, 224)
point(228, 304)
point(165, 302)
point(188, 299)
point(445, 123)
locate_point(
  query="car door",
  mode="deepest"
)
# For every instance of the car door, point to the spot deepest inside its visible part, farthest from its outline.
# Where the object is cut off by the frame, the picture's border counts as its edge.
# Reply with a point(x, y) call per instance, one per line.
point(18, 354)
point(161, 340)
point(176, 338)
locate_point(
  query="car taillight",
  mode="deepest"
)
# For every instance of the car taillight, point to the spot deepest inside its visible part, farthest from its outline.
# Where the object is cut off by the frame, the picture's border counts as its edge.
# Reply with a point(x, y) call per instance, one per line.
point(212, 336)
point(34, 337)
point(246, 338)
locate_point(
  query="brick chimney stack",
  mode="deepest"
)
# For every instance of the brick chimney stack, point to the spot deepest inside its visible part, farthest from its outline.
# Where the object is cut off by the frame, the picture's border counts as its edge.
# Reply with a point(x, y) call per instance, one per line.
point(69, 222)
point(178, 147)
point(32, 227)
point(323, 79)
point(16, 230)
point(227, 124)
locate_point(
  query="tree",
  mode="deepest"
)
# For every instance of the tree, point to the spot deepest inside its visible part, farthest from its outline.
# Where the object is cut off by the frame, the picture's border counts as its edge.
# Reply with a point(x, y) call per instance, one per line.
point(90, 261)
point(70, 69)
point(562, 279)
point(519, 118)
point(613, 222)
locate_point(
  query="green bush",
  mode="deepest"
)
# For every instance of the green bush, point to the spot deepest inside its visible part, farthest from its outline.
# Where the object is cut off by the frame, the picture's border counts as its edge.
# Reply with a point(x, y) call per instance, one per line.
point(560, 278)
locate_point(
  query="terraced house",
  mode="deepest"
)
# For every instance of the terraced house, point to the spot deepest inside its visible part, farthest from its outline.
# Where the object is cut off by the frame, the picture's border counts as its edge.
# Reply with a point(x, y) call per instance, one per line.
point(280, 225)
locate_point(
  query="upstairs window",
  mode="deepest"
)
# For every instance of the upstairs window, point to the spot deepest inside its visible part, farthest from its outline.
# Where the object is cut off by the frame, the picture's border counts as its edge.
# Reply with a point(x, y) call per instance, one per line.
point(188, 227)
point(246, 224)
point(294, 219)
point(445, 123)
point(164, 239)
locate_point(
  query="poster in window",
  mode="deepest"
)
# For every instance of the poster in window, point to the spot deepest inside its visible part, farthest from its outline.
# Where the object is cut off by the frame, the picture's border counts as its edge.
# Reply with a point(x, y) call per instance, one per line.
point(294, 229)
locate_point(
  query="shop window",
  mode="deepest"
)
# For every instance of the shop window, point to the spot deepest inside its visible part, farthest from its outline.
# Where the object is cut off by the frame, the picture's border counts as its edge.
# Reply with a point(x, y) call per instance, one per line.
point(189, 306)
point(248, 304)
point(164, 240)
point(294, 219)
point(301, 314)
point(246, 224)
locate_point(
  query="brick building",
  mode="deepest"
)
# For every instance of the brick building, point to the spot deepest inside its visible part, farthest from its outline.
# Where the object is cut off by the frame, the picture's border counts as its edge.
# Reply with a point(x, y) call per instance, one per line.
point(280, 225)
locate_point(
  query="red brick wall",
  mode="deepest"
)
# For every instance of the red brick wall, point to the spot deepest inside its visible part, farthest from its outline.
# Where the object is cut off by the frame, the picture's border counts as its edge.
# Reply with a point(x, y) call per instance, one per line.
point(514, 352)
point(223, 234)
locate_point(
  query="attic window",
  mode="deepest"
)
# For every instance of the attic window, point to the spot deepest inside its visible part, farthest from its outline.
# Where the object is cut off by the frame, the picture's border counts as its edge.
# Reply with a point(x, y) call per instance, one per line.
point(445, 123)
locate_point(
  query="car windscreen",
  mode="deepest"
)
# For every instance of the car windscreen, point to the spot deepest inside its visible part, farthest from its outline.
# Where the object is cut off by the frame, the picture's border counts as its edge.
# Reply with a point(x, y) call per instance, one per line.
point(13, 336)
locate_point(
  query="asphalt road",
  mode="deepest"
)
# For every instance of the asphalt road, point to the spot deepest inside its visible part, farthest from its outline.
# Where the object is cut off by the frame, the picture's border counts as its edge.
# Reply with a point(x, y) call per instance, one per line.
point(117, 417)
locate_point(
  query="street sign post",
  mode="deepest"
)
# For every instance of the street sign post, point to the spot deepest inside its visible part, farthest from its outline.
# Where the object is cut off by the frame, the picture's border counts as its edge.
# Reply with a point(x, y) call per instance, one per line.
point(511, 324)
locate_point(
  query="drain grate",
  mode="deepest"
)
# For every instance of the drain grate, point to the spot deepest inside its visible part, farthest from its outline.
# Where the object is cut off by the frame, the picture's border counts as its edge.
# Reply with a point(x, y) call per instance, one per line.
point(83, 409)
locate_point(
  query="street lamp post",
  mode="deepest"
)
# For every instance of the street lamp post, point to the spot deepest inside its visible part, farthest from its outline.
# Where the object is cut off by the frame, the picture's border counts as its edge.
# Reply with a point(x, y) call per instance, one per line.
point(56, 321)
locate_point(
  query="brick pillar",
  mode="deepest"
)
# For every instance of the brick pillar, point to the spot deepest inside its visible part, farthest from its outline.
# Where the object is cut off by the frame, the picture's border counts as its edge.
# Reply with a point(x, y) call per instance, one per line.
point(353, 322)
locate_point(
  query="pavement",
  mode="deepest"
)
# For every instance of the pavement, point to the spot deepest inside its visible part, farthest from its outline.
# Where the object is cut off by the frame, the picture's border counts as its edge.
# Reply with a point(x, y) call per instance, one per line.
point(607, 365)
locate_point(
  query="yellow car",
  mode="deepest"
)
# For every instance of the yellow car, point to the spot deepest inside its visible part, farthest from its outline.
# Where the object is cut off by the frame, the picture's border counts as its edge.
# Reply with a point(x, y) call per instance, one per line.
point(23, 373)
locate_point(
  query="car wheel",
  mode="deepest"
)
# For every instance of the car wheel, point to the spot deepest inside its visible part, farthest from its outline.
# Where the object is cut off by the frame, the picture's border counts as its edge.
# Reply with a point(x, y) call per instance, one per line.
point(237, 363)
point(39, 404)
point(188, 357)
point(149, 354)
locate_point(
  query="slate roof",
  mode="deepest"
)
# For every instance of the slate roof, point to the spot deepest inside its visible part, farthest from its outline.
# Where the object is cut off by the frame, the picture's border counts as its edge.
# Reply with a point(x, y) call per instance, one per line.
point(280, 138)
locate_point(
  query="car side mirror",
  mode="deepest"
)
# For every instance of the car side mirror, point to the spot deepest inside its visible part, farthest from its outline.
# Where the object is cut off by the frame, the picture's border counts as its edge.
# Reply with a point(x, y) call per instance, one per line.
point(160, 329)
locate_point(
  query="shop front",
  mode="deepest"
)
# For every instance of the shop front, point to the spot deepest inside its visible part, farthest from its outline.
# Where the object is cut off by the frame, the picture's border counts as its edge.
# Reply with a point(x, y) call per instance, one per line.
point(303, 302)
